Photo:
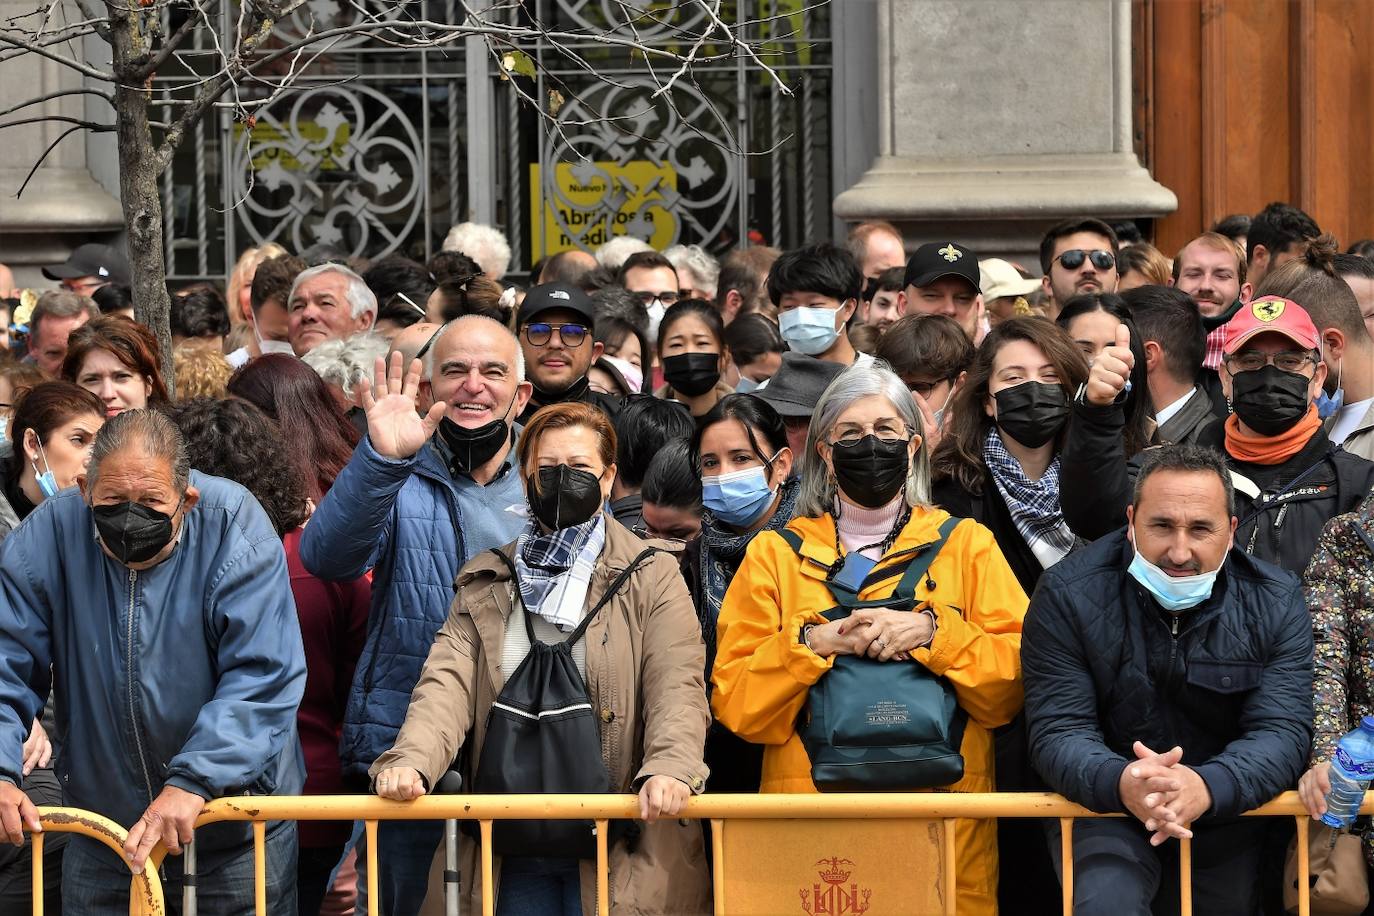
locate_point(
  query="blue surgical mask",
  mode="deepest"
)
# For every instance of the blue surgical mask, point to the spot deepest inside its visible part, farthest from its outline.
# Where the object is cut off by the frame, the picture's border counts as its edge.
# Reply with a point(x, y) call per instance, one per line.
point(47, 483)
point(4, 428)
point(738, 499)
point(1174, 593)
point(810, 331)
point(746, 385)
point(1329, 404)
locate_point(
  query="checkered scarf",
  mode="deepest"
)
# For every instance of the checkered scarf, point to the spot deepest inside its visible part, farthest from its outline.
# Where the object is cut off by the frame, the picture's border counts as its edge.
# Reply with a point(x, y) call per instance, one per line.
point(1034, 505)
point(555, 569)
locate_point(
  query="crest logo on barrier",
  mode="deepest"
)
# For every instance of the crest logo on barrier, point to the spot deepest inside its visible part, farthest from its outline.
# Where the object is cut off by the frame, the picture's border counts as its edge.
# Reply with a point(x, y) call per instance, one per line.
point(835, 894)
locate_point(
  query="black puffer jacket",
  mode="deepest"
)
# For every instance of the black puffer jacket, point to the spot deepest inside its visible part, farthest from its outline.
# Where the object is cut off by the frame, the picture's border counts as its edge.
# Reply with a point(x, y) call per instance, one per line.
point(1278, 522)
point(1229, 681)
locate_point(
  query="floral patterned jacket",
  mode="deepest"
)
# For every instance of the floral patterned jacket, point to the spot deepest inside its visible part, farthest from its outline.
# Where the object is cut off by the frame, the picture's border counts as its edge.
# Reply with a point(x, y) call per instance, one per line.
point(1340, 597)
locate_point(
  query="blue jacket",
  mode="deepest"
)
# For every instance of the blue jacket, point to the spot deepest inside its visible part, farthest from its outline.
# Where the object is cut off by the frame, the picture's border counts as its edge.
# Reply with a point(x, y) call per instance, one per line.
point(415, 526)
point(187, 674)
point(1230, 681)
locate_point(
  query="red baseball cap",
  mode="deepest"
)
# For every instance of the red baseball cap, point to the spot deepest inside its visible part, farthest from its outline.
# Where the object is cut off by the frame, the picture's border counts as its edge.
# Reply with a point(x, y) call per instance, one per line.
point(1271, 314)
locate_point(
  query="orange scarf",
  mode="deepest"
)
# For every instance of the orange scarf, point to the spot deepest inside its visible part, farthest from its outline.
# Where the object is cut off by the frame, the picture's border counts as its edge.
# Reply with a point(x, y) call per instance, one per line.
point(1271, 449)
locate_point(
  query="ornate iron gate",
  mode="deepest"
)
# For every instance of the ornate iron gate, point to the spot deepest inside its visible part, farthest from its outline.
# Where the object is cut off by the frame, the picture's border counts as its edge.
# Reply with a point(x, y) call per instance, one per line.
point(381, 149)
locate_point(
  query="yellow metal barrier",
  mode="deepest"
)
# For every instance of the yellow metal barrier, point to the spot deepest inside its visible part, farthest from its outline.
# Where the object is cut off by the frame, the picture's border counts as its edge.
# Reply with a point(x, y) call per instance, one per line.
point(942, 807)
point(145, 890)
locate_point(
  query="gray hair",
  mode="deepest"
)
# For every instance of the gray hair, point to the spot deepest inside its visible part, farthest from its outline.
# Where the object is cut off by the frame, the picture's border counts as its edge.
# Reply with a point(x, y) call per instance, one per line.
point(434, 345)
point(618, 250)
point(346, 362)
point(1185, 457)
point(360, 297)
point(486, 245)
point(817, 493)
point(695, 260)
point(61, 303)
point(149, 430)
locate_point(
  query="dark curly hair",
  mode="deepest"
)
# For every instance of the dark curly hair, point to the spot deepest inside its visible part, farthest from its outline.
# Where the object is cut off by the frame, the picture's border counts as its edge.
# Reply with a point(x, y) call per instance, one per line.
point(235, 440)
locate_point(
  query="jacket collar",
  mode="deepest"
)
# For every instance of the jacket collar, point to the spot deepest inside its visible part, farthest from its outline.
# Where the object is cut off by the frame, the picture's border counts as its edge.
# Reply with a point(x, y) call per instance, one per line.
point(818, 538)
point(1196, 410)
point(622, 546)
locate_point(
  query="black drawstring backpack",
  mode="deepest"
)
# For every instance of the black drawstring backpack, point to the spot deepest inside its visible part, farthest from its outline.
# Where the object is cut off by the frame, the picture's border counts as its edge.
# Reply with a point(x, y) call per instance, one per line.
point(542, 738)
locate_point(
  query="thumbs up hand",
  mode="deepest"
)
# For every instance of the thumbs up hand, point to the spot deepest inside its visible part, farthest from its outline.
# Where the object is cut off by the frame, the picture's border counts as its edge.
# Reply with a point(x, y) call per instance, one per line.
point(1110, 370)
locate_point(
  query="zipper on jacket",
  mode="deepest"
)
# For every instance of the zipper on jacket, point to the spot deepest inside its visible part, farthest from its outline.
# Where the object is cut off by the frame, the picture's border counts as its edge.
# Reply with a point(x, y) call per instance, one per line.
point(129, 674)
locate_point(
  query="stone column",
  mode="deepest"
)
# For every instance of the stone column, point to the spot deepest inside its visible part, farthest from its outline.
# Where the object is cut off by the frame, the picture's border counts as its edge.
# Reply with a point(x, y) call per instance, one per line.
point(63, 205)
point(998, 118)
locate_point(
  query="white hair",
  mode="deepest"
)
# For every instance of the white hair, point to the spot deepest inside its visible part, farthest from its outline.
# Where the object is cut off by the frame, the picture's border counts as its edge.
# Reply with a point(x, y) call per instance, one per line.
point(486, 245)
point(360, 297)
point(346, 362)
point(434, 345)
point(698, 264)
point(615, 252)
point(816, 495)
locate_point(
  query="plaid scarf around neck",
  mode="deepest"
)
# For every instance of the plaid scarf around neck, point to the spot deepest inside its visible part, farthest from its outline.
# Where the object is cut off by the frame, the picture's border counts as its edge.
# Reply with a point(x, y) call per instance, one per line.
point(555, 569)
point(1034, 505)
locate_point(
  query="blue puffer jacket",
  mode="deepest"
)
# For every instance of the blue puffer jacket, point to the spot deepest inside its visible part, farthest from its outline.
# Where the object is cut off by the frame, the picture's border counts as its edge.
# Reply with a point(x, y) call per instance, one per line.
point(415, 526)
point(187, 674)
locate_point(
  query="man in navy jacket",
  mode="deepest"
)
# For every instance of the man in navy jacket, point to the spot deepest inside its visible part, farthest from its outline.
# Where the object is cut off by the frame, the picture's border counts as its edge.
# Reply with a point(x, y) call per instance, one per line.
point(1168, 676)
point(156, 600)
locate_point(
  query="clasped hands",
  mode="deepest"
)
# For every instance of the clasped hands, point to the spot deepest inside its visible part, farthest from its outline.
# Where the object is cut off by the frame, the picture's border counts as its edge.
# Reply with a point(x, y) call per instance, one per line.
point(877, 632)
point(1163, 794)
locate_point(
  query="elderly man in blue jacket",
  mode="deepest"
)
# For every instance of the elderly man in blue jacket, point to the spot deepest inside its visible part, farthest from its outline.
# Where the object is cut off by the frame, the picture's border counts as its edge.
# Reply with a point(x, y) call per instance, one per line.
point(422, 495)
point(158, 601)
point(1168, 677)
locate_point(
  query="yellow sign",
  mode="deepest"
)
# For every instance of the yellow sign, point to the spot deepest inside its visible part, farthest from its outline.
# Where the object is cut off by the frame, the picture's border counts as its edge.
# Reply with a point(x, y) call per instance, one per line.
point(831, 868)
point(596, 201)
point(270, 144)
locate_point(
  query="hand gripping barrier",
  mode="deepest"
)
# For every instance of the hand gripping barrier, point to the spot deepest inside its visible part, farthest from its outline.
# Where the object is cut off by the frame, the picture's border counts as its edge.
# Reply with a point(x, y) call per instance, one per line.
point(938, 811)
point(145, 890)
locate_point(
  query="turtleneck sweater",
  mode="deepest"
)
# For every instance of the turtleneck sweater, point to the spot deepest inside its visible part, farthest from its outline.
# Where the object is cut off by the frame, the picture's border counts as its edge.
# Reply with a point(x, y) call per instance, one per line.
point(860, 527)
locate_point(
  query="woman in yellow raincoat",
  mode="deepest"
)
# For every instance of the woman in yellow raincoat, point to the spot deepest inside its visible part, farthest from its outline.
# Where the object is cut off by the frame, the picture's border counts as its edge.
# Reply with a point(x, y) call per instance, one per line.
point(865, 491)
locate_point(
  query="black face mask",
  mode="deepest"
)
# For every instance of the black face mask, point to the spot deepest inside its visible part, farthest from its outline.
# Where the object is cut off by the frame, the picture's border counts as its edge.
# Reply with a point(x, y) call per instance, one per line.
point(570, 496)
point(133, 532)
point(870, 472)
point(1032, 413)
point(472, 448)
point(577, 391)
point(692, 373)
point(1269, 400)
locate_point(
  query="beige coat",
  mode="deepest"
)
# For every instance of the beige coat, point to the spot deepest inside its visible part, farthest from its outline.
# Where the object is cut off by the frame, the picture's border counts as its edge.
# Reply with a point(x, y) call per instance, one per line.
point(644, 676)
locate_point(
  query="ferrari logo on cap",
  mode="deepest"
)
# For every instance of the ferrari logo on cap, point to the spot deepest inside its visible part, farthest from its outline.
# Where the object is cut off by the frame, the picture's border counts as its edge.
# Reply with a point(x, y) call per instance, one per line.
point(950, 253)
point(1267, 310)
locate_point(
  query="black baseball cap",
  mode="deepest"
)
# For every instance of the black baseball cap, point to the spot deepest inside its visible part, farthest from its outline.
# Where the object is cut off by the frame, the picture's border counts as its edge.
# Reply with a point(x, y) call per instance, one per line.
point(942, 259)
point(92, 260)
point(549, 296)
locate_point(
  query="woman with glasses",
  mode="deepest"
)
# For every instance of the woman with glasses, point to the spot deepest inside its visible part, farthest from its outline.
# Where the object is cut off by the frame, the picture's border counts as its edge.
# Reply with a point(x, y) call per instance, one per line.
point(692, 351)
point(863, 513)
point(639, 656)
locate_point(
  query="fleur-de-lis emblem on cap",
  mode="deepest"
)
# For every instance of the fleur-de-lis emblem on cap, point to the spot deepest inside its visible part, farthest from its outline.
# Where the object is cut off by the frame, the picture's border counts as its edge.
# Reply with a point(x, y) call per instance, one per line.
point(950, 253)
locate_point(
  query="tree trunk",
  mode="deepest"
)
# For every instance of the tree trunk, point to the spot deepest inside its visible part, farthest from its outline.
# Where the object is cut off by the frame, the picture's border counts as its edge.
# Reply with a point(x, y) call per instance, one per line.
point(139, 170)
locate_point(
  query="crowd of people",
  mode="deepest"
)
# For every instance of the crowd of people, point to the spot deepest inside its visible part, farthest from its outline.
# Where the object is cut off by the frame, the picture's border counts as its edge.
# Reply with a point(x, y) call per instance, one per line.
point(651, 522)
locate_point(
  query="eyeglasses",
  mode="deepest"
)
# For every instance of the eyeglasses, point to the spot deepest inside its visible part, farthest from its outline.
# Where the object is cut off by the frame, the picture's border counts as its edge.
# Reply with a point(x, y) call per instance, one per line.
point(572, 335)
point(667, 297)
point(886, 430)
point(643, 532)
point(925, 388)
point(1074, 257)
point(1252, 360)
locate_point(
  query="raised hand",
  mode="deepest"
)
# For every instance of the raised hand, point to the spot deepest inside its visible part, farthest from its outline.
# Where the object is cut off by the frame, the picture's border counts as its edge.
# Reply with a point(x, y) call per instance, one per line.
point(393, 426)
point(1110, 370)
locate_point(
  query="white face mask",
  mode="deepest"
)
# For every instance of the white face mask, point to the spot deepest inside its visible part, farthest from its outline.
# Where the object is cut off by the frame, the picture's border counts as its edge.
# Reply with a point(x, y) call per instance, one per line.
point(270, 346)
point(656, 312)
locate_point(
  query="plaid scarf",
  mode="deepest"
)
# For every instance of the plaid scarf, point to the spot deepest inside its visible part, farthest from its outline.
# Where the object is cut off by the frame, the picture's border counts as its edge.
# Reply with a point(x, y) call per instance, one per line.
point(1034, 505)
point(1211, 357)
point(555, 569)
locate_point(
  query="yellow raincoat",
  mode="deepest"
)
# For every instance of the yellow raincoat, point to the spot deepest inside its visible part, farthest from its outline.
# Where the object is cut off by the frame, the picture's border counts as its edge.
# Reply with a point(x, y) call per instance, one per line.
point(763, 670)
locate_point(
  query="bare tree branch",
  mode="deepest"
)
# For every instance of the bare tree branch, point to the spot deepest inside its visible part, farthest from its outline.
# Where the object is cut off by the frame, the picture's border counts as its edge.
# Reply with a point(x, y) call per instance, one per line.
point(51, 146)
point(101, 93)
point(42, 51)
point(61, 119)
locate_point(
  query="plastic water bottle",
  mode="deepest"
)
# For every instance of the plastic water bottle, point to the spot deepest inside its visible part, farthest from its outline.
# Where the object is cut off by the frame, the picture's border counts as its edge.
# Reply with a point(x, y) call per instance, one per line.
point(1351, 773)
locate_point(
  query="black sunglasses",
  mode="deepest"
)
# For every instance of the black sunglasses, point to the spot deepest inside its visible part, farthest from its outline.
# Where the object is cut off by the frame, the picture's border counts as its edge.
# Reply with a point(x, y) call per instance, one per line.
point(539, 333)
point(1074, 257)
